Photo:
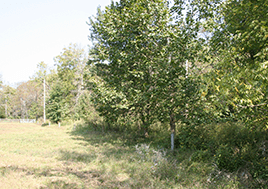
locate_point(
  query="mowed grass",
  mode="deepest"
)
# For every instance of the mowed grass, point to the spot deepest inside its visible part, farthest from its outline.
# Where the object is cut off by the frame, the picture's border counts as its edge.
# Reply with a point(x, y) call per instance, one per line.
point(32, 156)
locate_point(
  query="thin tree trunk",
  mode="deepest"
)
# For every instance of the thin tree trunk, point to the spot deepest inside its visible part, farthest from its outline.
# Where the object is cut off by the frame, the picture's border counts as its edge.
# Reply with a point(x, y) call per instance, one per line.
point(6, 108)
point(172, 129)
point(145, 125)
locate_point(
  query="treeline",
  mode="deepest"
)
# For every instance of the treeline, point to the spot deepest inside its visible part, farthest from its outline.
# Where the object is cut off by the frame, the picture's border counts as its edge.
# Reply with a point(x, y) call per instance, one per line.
point(195, 68)
point(22, 102)
point(62, 89)
point(190, 62)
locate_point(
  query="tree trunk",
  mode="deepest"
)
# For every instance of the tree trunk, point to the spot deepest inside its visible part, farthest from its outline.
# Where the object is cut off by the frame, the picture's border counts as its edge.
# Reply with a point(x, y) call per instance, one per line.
point(172, 129)
point(145, 125)
point(146, 133)
point(6, 108)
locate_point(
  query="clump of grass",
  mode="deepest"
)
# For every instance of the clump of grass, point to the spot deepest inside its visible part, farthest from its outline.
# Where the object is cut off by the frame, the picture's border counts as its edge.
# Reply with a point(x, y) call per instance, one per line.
point(162, 168)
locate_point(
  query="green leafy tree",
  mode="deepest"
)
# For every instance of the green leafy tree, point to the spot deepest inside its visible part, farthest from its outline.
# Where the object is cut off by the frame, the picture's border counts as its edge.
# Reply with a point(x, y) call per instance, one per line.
point(132, 37)
point(71, 68)
point(85, 106)
point(240, 44)
point(110, 103)
point(149, 56)
point(178, 78)
point(57, 106)
point(8, 100)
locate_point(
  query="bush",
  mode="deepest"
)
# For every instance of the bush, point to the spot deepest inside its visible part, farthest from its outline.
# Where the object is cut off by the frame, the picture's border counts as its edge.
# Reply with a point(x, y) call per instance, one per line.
point(44, 124)
point(190, 136)
point(232, 146)
point(202, 156)
point(227, 158)
point(212, 136)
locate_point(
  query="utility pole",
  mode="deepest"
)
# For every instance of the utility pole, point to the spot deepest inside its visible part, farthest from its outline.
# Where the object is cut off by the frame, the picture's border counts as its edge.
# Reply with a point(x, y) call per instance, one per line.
point(44, 99)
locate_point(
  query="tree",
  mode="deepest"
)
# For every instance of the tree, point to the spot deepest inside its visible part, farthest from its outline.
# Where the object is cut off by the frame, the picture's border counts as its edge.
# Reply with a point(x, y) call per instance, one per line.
point(69, 84)
point(7, 99)
point(110, 103)
point(147, 53)
point(240, 43)
point(27, 95)
point(57, 106)
point(132, 37)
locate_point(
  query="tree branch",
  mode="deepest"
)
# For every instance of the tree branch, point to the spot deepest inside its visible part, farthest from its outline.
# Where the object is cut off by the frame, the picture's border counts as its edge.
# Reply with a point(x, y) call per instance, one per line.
point(251, 106)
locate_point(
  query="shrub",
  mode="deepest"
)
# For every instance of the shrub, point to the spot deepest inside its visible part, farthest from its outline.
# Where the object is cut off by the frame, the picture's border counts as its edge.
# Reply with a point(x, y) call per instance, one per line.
point(232, 146)
point(228, 158)
point(190, 136)
point(44, 124)
point(201, 156)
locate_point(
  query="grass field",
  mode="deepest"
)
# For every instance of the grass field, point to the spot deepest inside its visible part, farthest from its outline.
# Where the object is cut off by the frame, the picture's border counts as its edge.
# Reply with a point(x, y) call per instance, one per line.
point(32, 156)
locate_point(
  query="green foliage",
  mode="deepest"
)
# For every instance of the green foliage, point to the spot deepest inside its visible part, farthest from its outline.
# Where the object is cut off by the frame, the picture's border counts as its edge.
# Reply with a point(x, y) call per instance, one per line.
point(45, 124)
point(71, 68)
point(36, 111)
point(246, 158)
point(109, 103)
point(57, 107)
point(202, 156)
point(119, 33)
point(239, 45)
point(234, 90)
point(231, 146)
point(42, 71)
point(86, 111)
point(226, 158)
point(2, 112)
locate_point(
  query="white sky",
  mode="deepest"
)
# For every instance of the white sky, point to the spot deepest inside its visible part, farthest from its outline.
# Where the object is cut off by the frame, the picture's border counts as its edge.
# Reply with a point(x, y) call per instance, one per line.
point(32, 31)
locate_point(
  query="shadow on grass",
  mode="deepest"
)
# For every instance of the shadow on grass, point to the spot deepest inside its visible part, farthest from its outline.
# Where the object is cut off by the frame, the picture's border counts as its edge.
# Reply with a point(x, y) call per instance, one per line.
point(119, 163)
point(93, 135)
point(76, 156)
point(112, 143)
point(56, 177)
point(116, 143)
